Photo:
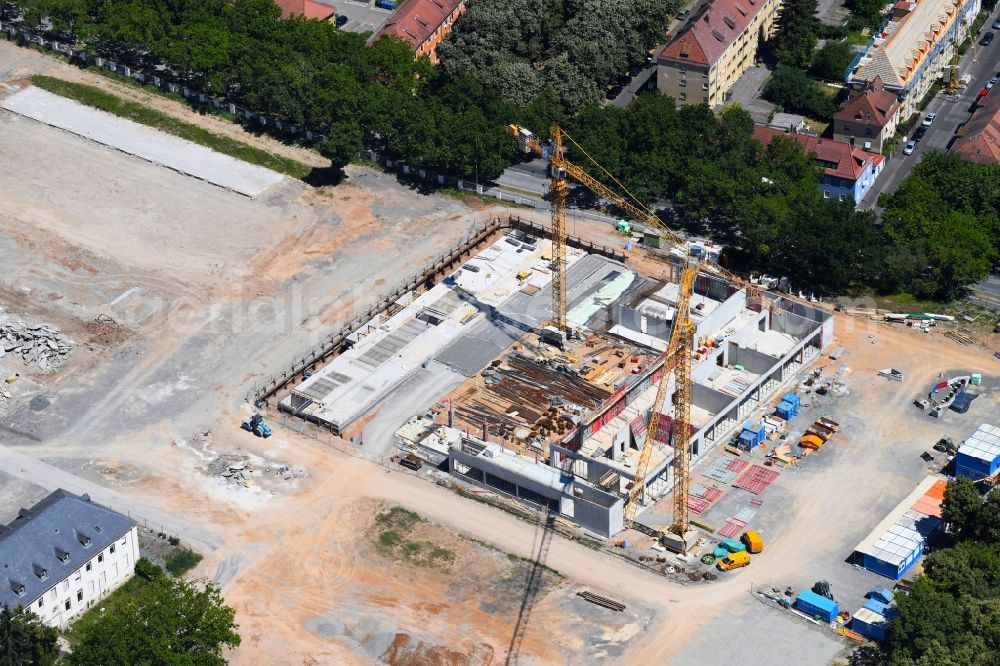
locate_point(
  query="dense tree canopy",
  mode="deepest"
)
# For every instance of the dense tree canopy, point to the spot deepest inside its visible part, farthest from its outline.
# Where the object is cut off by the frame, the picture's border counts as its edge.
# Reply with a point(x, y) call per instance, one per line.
point(170, 621)
point(569, 48)
point(947, 212)
point(832, 60)
point(795, 37)
point(24, 639)
point(795, 92)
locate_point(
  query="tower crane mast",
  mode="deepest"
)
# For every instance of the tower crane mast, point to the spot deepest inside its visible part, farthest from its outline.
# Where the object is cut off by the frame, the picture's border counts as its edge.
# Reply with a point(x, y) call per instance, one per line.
point(677, 356)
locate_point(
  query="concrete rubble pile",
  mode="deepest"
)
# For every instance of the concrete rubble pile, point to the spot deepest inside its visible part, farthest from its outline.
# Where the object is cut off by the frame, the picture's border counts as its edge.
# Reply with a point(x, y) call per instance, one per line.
point(240, 471)
point(240, 474)
point(41, 344)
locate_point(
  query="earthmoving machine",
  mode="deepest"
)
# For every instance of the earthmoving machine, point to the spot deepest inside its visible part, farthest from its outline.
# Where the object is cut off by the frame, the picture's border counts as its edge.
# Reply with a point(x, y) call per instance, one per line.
point(679, 536)
point(258, 426)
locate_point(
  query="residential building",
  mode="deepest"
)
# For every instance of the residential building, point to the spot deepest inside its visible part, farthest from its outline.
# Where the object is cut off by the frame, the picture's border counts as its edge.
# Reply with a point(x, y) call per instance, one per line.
point(848, 171)
point(868, 117)
point(979, 140)
point(65, 554)
point(307, 8)
point(719, 42)
point(911, 48)
point(422, 24)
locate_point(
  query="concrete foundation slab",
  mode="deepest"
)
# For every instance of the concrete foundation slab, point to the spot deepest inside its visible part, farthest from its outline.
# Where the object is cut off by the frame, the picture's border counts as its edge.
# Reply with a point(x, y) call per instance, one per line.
point(135, 139)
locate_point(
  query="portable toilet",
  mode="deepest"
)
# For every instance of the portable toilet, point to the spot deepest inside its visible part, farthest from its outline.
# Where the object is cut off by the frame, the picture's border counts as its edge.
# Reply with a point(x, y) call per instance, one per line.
point(977, 378)
point(794, 400)
point(623, 227)
point(784, 410)
point(815, 605)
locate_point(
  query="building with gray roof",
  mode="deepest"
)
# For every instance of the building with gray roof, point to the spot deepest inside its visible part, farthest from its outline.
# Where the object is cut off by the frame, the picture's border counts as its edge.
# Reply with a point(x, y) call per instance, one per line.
point(63, 555)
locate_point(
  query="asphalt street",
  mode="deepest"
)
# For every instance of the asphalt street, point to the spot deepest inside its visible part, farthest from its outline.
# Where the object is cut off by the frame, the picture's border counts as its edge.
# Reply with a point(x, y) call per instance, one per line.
point(979, 62)
point(52, 478)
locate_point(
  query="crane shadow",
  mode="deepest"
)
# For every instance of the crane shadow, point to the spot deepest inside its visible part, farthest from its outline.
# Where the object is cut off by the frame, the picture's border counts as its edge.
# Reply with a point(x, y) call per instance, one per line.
point(532, 586)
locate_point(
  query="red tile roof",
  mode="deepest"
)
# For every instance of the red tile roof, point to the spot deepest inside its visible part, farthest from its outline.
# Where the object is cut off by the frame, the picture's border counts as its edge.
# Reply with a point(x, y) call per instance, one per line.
point(417, 20)
point(871, 99)
point(711, 30)
point(981, 142)
point(307, 8)
point(850, 161)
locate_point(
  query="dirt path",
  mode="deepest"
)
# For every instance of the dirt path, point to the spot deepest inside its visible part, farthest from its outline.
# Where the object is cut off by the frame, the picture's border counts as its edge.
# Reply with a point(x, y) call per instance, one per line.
point(16, 62)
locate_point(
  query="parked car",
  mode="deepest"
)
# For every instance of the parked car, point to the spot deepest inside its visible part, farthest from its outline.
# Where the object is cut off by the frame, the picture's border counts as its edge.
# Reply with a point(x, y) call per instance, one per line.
point(683, 15)
point(341, 20)
point(910, 147)
point(929, 119)
point(734, 561)
point(992, 82)
point(919, 133)
point(613, 92)
point(987, 38)
point(996, 24)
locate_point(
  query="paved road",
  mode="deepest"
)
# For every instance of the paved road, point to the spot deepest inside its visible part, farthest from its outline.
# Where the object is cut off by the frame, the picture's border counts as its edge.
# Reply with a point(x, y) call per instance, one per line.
point(51, 478)
point(987, 293)
point(981, 63)
point(635, 86)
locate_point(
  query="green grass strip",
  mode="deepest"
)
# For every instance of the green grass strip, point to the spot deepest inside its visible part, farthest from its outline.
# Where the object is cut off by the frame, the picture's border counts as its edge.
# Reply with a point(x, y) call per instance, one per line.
point(135, 112)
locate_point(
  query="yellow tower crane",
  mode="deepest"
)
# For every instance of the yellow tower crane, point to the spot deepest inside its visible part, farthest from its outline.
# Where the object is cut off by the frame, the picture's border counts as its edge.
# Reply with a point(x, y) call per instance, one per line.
point(559, 169)
point(679, 350)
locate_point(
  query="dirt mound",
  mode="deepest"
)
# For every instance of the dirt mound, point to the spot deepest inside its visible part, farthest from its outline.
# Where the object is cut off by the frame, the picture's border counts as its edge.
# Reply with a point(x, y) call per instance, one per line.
point(408, 651)
point(106, 332)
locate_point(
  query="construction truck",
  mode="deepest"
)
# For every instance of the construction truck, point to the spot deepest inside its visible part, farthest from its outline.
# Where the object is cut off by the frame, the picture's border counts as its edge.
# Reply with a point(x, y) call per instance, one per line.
point(258, 426)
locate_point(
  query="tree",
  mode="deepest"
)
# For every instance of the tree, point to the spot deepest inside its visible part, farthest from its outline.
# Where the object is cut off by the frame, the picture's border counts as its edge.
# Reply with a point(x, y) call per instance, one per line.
point(927, 616)
point(795, 37)
point(797, 93)
point(24, 639)
point(961, 507)
point(343, 143)
point(832, 60)
point(169, 621)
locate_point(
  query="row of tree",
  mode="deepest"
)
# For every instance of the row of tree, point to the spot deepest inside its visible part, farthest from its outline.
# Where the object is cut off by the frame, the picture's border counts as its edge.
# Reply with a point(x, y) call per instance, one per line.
point(951, 617)
point(526, 62)
point(538, 64)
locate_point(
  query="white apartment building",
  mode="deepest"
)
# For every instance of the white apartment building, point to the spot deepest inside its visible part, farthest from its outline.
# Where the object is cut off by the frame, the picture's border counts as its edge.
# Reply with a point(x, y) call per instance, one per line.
point(65, 554)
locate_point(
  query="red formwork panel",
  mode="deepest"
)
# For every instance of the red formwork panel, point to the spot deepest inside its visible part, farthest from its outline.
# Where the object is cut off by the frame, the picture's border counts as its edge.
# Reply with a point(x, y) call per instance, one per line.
point(732, 528)
point(756, 479)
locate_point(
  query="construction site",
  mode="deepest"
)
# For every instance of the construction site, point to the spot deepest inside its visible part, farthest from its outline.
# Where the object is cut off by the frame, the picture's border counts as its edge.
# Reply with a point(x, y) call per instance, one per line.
point(411, 428)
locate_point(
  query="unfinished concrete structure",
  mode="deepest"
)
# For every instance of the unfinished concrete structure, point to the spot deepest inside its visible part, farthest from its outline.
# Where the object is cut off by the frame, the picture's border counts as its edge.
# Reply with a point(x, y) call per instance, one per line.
point(559, 423)
point(743, 354)
point(745, 351)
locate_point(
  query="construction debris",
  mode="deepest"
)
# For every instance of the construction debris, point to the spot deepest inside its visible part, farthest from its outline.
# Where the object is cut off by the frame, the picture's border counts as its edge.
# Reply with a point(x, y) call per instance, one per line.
point(41, 344)
point(247, 471)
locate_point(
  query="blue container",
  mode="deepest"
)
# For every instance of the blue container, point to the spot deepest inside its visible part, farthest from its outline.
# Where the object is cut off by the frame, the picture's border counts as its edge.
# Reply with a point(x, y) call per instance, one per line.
point(784, 410)
point(871, 626)
point(792, 399)
point(814, 605)
point(757, 431)
point(746, 441)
